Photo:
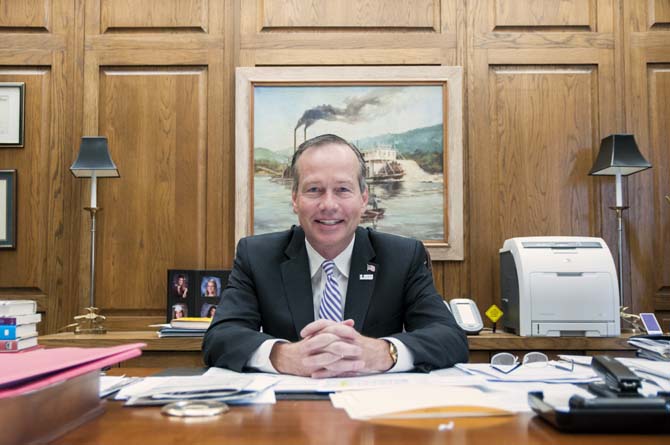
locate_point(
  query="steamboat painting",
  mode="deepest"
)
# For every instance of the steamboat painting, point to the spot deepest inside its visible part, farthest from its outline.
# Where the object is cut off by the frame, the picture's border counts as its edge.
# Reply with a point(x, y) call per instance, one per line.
point(398, 128)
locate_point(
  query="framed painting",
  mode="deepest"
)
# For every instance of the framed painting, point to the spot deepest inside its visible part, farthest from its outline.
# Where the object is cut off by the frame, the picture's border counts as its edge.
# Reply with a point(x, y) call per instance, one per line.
point(7, 209)
point(12, 104)
point(406, 121)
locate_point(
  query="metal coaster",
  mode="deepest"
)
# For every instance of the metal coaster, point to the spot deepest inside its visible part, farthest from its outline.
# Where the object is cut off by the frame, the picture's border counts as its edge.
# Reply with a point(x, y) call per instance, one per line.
point(195, 408)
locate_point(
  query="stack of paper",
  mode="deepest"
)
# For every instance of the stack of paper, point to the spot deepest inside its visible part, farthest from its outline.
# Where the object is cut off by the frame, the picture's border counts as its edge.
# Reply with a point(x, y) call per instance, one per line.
point(231, 388)
point(660, 369)
point(185, 327)
point(652, 348)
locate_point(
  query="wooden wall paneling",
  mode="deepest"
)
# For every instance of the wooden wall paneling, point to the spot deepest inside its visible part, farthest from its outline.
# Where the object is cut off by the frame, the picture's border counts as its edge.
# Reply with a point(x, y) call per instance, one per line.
point(456, 276)
point(539, 101)
point(38, 268)
point(220, 250)
point(156, 121)
point(543, 123)
point(25, 266)
point(544, 13)
point(658, 149)
point(381, 39)
point(29, 15)
point(647, 52)
point(659, 14)
point(283, 14)
point(158, 97)
point(157, 15)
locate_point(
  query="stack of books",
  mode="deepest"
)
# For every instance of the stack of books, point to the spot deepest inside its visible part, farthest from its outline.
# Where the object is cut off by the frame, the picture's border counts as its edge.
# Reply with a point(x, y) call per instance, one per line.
point(18, 325)
point(186, 327)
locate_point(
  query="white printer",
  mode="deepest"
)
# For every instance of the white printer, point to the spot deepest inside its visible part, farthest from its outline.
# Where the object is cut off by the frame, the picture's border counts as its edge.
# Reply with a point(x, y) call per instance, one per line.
point(559, 286)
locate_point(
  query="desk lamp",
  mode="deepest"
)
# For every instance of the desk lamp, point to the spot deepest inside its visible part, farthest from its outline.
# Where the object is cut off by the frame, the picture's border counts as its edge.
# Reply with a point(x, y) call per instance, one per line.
point(93, 162)
point(619, 156)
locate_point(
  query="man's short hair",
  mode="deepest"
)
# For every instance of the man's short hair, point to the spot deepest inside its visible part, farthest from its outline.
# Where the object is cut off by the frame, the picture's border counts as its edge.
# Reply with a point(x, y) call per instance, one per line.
point(319, 141)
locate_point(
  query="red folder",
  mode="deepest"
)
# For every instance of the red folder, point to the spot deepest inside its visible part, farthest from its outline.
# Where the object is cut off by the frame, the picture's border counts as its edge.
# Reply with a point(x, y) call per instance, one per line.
point(20, 373)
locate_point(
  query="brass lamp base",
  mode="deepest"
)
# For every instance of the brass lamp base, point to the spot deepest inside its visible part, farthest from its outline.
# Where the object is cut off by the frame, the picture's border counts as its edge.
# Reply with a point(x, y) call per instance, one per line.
point(634, 322)
point(90, 323)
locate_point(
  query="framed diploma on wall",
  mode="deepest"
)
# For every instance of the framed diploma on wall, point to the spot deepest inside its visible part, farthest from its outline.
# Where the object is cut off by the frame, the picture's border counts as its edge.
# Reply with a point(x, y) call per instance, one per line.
point(12, 110)
point(7, 209)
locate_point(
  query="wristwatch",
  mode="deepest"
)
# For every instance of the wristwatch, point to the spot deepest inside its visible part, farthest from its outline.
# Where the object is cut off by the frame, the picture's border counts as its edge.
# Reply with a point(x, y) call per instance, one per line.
point(393, 352)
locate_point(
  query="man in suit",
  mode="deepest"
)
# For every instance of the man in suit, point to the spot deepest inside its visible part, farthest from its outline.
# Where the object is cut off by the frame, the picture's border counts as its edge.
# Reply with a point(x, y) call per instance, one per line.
point(331, 298)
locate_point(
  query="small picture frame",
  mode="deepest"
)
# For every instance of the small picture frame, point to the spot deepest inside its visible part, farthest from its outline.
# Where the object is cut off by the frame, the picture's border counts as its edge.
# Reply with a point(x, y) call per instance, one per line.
point(181, 293)
point(8, 209)
point(211, 284)
point(12, 113)
point(194, 293)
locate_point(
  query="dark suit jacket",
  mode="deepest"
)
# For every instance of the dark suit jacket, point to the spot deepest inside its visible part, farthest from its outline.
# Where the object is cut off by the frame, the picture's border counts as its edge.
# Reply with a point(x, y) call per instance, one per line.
point(270, 287)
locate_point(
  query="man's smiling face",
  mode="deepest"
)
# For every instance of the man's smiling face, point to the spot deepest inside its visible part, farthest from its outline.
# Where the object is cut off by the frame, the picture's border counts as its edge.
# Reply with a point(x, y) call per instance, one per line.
point(328, 201)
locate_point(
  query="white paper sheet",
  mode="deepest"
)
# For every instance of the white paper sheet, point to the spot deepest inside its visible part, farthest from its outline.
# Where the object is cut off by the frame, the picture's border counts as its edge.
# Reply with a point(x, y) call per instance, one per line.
point(151, 386)
point(289, 383)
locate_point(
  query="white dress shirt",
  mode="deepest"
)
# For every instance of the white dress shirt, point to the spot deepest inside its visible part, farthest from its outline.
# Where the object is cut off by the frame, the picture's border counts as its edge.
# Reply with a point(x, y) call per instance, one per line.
point(260, 359)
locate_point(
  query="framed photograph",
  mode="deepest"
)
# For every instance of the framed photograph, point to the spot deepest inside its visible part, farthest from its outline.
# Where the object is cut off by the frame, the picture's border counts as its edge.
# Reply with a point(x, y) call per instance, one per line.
point(12, 104)
point(407, 122)
point(211, 284)
point(194, 293)
point(182, 293)
point(7, 209)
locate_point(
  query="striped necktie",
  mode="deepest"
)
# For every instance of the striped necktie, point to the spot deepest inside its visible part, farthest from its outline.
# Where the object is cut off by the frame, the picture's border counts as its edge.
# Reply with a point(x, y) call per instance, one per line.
point(331, 302)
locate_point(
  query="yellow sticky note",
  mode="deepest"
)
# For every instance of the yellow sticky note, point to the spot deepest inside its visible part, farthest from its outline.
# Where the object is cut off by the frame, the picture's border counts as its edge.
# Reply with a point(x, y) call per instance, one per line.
point(494, 313)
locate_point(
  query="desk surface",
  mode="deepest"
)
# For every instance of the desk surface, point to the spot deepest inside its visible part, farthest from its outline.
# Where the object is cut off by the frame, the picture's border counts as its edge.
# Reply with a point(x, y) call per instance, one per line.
point(316, 422)
point(483, 342)
point(185, 351)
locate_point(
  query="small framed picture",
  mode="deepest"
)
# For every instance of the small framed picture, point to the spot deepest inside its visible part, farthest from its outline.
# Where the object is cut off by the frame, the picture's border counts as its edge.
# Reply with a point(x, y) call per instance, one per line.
point(208, 310)
point(179, 310)
point(194, 293)
point(12, 104)
point(182, 293)
point(7, 209)
point(212, 283)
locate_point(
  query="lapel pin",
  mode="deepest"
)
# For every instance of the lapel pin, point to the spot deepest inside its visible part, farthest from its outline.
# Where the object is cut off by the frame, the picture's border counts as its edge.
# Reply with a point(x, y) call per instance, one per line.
point(366, 277)
point(371, 268)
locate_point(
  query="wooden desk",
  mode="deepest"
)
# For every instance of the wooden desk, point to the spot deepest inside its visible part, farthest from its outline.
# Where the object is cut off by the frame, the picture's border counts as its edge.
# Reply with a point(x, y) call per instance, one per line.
point(186, 352)
point(159, 352)
point(316, 423)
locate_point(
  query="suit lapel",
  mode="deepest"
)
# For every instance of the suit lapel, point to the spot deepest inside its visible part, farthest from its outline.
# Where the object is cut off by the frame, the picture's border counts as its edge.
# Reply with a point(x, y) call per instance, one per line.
point(297, 282)
point(359, 287)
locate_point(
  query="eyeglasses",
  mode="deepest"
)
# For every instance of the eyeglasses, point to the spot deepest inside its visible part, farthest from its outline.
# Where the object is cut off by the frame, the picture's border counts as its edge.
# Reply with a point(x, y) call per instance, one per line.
point(506, 362)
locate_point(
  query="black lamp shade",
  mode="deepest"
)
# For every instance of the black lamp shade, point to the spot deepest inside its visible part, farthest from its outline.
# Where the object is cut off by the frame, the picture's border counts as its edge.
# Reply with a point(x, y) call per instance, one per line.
point(619, 155)
point(93, 159)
